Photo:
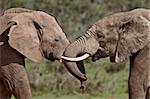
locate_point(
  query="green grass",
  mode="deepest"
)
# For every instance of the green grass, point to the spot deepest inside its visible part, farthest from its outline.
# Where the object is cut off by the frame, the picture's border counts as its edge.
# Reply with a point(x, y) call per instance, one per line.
point(49, 80)
point(81, 96)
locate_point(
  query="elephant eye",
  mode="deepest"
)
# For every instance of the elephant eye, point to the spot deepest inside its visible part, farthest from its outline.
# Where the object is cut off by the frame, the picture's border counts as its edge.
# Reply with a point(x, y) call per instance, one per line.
point(100, 34)
point(102, 43)
point(56, 40)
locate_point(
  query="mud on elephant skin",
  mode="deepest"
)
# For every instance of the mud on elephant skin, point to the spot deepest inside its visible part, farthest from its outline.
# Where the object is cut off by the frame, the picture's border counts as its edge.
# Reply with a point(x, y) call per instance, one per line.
point(118, 36)
point(28, 34)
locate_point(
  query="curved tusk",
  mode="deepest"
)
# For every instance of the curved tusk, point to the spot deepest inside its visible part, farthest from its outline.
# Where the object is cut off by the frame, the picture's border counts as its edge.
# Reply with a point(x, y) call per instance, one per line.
point(77, 58)
point(101, 48)
point(1, 43)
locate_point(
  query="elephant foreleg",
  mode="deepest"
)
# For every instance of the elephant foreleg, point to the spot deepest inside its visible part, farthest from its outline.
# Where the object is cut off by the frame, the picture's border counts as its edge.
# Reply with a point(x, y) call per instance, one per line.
point(4, 92)
point(16, 80)
point(136, 90)
point(139, 69)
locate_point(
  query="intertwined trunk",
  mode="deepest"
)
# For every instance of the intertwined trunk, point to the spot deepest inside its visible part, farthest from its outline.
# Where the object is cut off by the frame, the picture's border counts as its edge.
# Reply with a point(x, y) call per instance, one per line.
point(74, 50)
point(85, 44)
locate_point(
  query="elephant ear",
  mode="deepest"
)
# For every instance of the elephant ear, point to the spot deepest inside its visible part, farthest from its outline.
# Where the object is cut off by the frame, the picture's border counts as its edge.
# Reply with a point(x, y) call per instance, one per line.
point(133, 36)
point(17, 10)
point(23, 36)
point(8, 15)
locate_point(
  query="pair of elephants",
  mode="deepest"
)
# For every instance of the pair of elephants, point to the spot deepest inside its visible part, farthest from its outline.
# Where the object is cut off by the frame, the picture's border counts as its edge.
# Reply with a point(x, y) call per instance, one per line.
point(37, 36)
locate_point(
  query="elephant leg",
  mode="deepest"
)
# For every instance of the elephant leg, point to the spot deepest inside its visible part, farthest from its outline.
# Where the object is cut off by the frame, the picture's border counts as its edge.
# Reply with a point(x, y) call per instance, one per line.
point(4, 93)
point(136, 90)
point(139, 69)
point(16, 80)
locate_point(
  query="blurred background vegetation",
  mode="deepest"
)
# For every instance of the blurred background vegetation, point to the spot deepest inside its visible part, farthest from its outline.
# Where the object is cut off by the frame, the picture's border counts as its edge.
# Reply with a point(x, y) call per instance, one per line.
point(50, 80)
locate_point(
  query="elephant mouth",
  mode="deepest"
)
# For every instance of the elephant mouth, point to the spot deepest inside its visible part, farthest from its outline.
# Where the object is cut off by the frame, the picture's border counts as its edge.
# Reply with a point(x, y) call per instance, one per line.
point(99, 54)
point(51, 57)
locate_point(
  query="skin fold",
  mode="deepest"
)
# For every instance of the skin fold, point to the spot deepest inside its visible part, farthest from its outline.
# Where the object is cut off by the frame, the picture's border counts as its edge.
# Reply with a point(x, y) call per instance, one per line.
point(120, 35)
point(26, 34)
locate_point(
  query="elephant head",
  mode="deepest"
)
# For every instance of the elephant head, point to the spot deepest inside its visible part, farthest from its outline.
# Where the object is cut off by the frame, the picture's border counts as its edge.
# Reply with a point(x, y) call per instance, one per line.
point(116, 36)
point(34, 34)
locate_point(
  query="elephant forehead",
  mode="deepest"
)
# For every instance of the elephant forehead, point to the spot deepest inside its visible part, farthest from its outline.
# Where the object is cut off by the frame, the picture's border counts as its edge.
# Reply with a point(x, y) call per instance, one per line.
point(112, 20)
point(104, 21)
point(51, 32)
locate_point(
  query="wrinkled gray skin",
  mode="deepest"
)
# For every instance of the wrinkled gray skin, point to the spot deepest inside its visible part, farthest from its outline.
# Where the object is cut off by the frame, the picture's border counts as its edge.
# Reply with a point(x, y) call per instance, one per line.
point(122, 35)
point(26, 33)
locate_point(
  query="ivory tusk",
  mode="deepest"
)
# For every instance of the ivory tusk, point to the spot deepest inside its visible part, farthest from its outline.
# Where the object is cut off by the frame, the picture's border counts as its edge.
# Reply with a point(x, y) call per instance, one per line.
point(1, 43)
point(77, 58)
point(60, 60)
point(101, 48)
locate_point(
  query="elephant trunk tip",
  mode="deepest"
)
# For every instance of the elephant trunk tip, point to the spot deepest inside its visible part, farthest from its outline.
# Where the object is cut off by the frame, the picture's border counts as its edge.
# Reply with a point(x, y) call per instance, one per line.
point(83, 78)
point(82, 87)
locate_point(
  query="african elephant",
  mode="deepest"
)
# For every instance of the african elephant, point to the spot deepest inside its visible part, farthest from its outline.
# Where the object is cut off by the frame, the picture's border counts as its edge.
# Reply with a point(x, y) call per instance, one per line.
point(118, 36)
point(26, 34)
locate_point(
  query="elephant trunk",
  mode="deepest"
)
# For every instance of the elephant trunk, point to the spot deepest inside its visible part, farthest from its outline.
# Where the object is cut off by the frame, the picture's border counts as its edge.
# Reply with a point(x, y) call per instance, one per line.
point(85, 44)
point(75, 68)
